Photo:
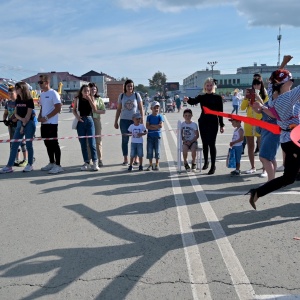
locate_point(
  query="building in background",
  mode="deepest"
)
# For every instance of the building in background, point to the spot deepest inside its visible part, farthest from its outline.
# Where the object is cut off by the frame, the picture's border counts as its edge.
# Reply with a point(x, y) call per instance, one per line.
point(227, 83)
point(100, 79)
point(71, 84)
point(69, 88)
point(114, 89)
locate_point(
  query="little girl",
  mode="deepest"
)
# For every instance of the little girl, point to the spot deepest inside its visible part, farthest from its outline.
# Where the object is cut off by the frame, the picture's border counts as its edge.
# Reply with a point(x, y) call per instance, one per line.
point(237, 144)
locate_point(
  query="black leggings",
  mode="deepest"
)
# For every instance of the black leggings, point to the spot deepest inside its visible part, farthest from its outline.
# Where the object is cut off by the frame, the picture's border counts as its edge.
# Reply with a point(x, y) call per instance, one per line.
point(291, 169)
point(53, 149)
point(208, 137)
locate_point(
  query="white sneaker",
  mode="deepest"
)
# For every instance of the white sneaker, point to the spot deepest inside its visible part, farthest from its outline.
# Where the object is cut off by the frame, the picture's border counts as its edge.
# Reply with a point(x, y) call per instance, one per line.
point(251, 171)
point(56, 169)
point(6, 170)
point(263, 174)
point(28, 168)
point(280, 169)
point(48, 167)
point(95, 166)
point(85, 167)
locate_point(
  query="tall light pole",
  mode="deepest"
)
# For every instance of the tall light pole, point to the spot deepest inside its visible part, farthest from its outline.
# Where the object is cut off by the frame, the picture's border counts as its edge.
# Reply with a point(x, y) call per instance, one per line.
point(212, 64)
point(279, 39)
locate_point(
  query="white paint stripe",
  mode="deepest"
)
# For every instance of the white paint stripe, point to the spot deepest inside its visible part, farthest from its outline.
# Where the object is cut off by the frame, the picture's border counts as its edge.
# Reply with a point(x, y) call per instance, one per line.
point(247, 160)
point(244, 192)
point(277, 297)
point(199, 285)
point(238, 276)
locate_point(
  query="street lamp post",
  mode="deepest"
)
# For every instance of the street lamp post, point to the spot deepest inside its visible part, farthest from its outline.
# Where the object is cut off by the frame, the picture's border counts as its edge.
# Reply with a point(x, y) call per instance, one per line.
point(212, 64)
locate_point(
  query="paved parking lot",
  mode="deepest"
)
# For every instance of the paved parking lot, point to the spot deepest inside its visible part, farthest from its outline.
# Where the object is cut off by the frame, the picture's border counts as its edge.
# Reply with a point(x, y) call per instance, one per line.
point(144, 235)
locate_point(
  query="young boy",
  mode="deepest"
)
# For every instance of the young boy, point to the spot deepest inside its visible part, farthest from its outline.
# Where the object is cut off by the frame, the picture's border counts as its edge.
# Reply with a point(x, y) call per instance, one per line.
point(154, 124)
point(237, 144)
point(137, 131)
point(190, 135)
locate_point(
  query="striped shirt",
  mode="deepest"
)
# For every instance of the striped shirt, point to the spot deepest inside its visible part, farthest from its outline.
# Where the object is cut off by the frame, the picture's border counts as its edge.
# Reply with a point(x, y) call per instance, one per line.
point(284, 106)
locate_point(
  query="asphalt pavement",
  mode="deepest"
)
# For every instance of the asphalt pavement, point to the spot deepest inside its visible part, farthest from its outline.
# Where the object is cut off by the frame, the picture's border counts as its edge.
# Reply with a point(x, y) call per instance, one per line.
point(144, 235)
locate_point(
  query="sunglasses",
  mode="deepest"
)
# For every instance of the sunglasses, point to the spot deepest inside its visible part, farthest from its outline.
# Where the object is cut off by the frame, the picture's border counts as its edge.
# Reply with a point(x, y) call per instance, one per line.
point(41, 82)
point(292, 80)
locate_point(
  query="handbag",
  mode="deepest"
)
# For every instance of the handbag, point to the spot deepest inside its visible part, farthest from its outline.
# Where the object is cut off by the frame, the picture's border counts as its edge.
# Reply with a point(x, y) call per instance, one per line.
point(75, 121)
point(230, 161)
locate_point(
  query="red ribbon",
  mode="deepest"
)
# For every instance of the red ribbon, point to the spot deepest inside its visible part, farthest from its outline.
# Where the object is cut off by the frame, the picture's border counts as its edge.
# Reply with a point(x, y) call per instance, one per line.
point(252, 121)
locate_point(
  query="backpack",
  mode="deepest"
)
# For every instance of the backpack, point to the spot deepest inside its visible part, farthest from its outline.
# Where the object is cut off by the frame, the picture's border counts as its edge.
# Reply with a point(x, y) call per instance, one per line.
point(134, 93)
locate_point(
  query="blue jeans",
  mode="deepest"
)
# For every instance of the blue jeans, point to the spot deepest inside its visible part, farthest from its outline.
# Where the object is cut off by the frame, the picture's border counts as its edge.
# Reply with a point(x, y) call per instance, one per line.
point(83, 129)
point(238, 153)
point(11, 131)
point(136, 150)
point(235, 109)
point(124, 125)
point(146, 108)
point(28, 132)
point(153, 144)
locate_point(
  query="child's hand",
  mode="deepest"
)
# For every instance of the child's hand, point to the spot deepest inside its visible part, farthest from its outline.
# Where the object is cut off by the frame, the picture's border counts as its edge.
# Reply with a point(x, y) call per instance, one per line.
point(231, 144)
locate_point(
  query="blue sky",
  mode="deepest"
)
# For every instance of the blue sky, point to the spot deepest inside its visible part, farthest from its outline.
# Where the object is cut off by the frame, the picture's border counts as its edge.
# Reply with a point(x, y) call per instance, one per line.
point(137, 38)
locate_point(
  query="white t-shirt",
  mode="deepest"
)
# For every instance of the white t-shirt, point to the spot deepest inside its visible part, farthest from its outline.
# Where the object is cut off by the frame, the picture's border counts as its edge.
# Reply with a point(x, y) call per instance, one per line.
point(135, 130)
point(47, 101)
point(188, 130)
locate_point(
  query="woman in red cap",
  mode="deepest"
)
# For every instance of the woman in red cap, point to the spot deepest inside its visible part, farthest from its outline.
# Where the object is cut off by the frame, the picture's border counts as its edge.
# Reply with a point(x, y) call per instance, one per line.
point(281, 105)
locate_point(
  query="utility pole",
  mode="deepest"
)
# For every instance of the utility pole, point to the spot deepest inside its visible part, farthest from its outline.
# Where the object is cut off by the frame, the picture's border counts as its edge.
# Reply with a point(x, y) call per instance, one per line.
point(212, 64)
point(279, 39)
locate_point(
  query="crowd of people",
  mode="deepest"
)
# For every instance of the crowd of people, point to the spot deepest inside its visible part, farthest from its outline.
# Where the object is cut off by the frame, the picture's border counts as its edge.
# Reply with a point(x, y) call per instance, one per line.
point(279, 105)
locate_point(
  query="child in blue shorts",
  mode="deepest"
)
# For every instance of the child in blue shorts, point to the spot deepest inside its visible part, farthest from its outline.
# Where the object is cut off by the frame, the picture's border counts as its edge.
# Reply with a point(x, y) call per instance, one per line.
point(137, 130)
point(237, 144)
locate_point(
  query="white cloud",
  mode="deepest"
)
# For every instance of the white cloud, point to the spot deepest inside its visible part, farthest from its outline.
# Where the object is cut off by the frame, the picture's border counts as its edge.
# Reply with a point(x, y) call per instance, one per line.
point(272, 13)
point(258, 13)
point(171, 5)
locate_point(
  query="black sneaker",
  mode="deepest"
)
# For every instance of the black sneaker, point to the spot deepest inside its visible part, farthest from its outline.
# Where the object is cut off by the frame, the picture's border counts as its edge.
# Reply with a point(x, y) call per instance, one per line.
point(140, 168)
point(235, 172)
point(187, 167)
point(194, 167)
point(130, 168)
point(16, 163)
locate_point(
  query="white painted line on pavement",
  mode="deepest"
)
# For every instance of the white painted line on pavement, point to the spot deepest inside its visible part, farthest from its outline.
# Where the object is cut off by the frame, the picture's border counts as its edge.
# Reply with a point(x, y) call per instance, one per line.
point(246, 160)
point(277, 297)
point(238, 276)
point(199, 285)
point(244, 192)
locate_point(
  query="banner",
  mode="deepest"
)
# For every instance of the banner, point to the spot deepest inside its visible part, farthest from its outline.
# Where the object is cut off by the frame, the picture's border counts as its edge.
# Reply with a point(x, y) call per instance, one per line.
point(252, 121)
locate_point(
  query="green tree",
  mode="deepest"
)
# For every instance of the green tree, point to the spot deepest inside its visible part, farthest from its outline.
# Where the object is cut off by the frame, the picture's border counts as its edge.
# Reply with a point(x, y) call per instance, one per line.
point(141, 88)
point(158, 81)
point(123, 78)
